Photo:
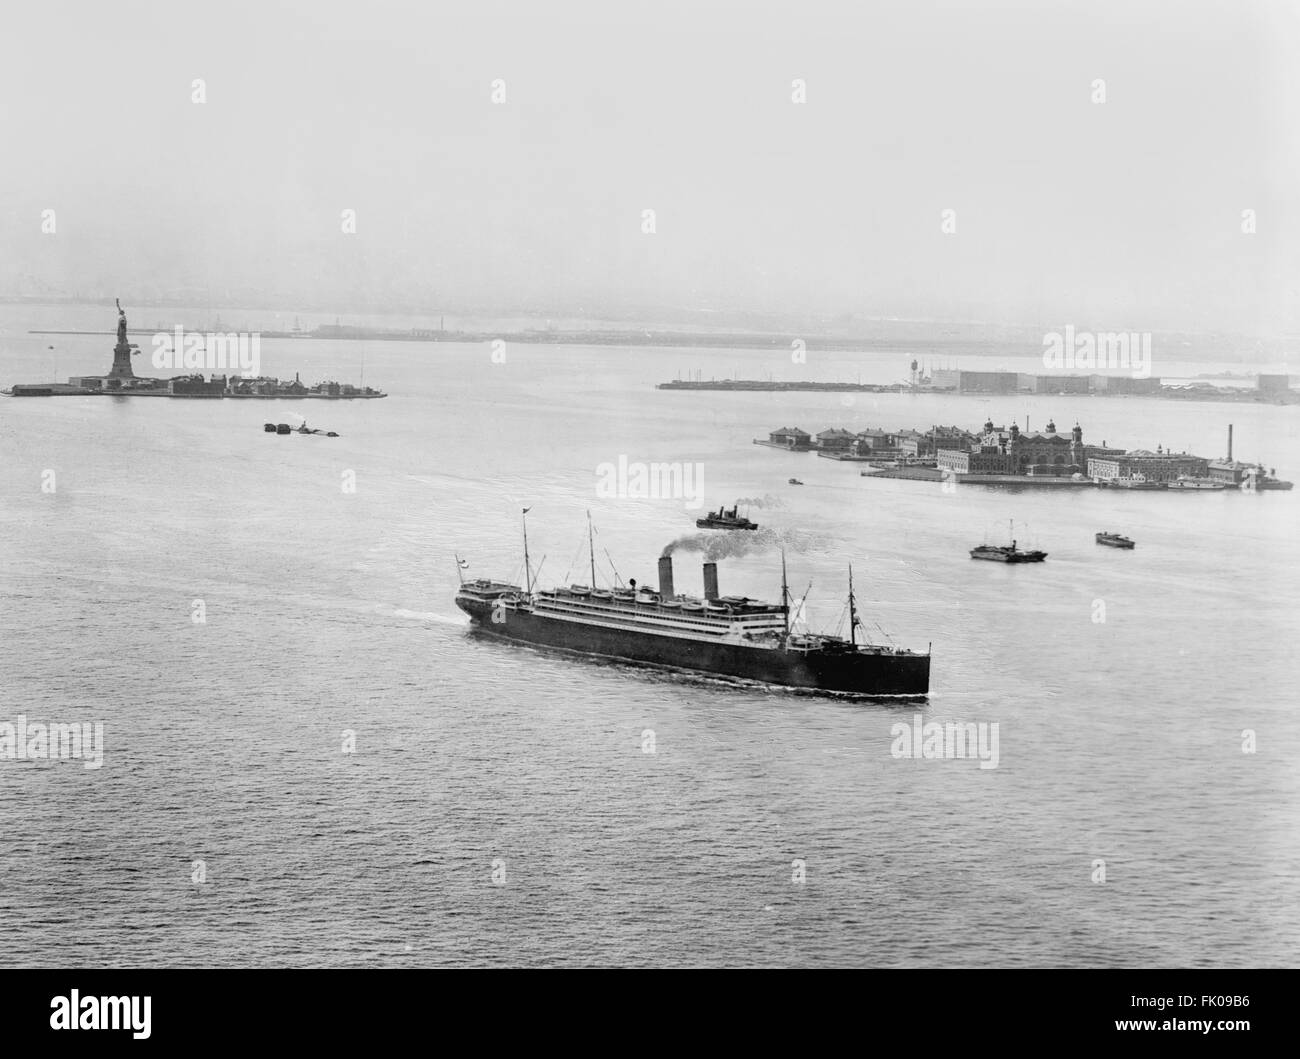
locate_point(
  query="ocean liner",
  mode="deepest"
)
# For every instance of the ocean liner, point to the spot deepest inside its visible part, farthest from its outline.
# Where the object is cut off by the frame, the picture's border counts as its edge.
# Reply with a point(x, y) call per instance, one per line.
point(731, 636)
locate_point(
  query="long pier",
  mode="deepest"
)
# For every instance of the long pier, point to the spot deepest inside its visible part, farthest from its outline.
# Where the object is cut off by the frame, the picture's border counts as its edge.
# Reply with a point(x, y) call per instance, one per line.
point(933, 474)
point(766, 385)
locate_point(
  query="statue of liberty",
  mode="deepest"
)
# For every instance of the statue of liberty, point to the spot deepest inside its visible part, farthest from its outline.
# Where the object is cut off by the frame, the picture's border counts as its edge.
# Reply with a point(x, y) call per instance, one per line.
point(122, 351)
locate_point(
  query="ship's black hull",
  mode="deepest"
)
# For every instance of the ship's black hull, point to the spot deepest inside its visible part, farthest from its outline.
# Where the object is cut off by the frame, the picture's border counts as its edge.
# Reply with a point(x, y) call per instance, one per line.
point(840, 671)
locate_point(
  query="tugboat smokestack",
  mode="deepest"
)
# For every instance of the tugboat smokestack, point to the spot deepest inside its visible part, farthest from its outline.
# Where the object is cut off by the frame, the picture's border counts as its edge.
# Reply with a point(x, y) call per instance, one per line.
point(710, 580)
point(666, 577)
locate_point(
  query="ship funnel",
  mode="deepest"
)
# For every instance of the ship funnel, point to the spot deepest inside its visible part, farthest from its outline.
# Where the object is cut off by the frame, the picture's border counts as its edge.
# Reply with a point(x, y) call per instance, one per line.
point(666, 577)
point(710, 580)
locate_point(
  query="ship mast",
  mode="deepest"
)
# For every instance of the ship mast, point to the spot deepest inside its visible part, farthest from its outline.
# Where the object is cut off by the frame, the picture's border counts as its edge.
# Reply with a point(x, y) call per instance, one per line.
point(591, 548)
point(528, 569)
point(785, 596)
point(853, 611)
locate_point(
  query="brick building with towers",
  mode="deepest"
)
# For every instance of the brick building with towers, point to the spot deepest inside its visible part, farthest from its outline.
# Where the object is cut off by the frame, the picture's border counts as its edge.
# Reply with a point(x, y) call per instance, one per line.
point(1010, 450)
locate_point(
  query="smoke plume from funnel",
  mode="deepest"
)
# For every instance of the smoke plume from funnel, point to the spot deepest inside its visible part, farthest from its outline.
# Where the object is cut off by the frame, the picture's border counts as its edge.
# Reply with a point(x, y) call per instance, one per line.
point(735, 543)
point(766, 501)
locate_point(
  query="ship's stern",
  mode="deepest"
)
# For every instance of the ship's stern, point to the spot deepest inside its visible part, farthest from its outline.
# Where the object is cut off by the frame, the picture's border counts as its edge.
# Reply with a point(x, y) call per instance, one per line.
point(480, 599)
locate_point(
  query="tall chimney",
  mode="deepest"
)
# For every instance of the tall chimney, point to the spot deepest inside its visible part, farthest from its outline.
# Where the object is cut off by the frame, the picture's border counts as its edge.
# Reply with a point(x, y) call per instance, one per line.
point(710, 580)
point(666, 576)
point(1229, 442)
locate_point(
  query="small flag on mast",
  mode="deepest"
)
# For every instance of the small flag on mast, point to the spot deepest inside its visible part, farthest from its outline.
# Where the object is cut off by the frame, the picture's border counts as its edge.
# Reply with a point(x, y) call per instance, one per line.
point(527, 509)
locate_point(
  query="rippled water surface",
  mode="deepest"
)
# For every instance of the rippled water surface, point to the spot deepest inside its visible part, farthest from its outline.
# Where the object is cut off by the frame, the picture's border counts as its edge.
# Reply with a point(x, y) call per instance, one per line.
point(330, 612)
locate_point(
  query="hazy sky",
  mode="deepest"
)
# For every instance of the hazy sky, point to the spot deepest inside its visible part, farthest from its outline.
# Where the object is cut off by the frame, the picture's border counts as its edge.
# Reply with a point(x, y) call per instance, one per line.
point(1120, 215)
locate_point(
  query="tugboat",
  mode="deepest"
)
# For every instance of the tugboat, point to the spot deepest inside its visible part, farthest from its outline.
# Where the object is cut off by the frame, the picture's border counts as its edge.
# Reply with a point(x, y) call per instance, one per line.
point(795, 481)
point(1006, 553)
point(1115, 540)
point(269, 427)
point(283, 428)
point(305, 429)
point(1262, 480)
point(724, 519)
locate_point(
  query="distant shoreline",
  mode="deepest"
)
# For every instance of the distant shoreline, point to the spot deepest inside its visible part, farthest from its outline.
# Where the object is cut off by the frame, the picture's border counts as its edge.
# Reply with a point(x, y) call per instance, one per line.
point(1175, 393)
point(684, 339)
point(974, 347)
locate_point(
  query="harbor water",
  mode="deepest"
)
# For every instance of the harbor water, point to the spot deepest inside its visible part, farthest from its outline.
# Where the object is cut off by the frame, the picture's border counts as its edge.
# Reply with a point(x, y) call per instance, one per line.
point(310, 760)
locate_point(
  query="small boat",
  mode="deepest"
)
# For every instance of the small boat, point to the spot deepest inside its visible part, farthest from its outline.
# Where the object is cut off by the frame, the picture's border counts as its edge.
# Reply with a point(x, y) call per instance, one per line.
point(1186, 482)
point(1006, 553)
point(1133, 482)
point(579, 590)
point(269, 428)
point(283, 428)
point(724, 519)
point(1114, 540)
point(795, 481)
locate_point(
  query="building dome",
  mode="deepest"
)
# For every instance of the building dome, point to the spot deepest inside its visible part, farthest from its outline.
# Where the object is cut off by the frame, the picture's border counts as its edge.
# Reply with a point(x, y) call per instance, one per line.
point(1051, 426)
